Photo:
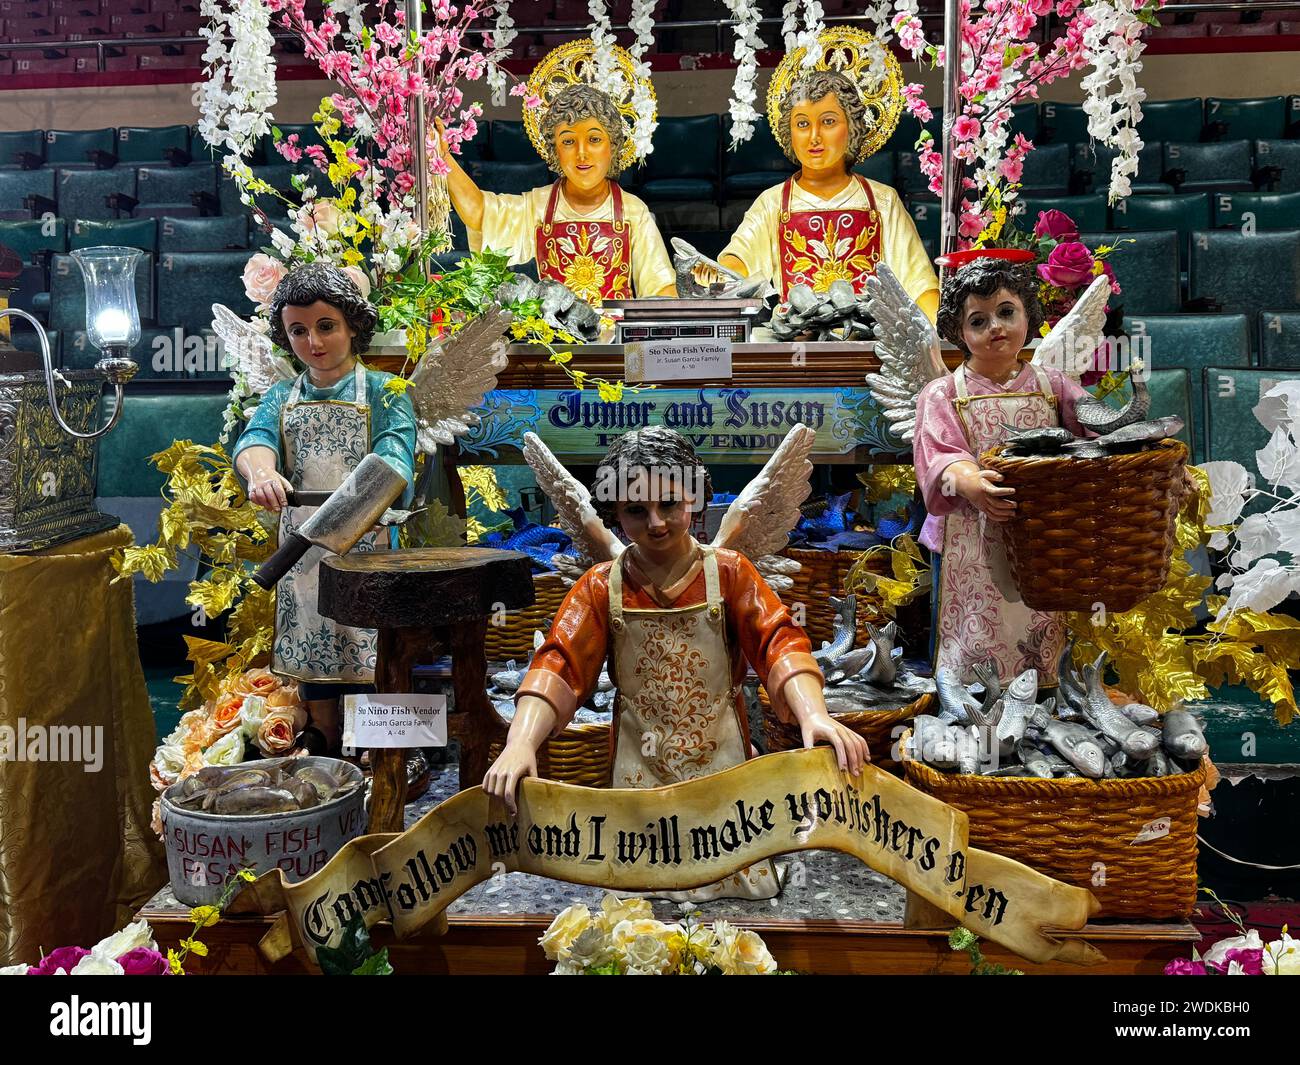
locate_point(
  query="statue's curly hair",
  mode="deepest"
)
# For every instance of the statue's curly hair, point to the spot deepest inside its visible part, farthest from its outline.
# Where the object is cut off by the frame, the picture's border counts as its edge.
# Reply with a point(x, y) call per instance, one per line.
point(655, 447)
point(306, 284)
point(812, 87)
point(574, 104)
point(984, 277)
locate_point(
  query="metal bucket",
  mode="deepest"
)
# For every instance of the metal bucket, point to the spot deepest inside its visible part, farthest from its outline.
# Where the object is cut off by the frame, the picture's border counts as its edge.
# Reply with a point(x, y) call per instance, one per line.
point(204, 849)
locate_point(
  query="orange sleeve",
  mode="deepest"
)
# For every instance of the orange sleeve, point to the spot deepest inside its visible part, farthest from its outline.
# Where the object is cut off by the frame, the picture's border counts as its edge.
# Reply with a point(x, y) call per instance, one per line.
point(774, 645)
point(574, 650)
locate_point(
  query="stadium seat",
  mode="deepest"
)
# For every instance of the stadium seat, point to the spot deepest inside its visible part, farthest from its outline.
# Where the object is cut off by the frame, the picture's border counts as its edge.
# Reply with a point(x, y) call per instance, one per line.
point(67, 299)
point(684, 163)
point(1146, 267)
point(153, 144)
point(139, 233)
point(1279, 339)
point(96, 193)
point(1091, 163)
point(928, 216)
point(1024, 119)
point(156, 354)
point(1063, 123)
point(22, 149)
point(508, 178)
point(189, 283)
point(279, 177)
point(222, 233)
point(77, 147)
point(1183, 213)
point(1285, 155)
point(1232, 430)
point(1246, 273)
point(909, 128)
point(25, 338)
point(754, 165)
point(1088, 212)
point(30, 239)
point(510, 143)
point(1171, 394)
point(190, 189)
point(26, 193)
point(878, 167)
point(1172, 120)
point(1260, 118)
point(911, 181)
point(480, 145)
point(1193, 342)
point(1224, 166)
point(1262, 210)
point(1046, 171)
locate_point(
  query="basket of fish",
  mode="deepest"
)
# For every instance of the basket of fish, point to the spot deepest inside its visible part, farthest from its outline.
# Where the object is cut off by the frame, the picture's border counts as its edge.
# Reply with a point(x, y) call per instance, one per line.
point(287, 813)
point(514, 638)
point(1094, 519)
point(868, 689)
point(818, 588)
point(1095, 794)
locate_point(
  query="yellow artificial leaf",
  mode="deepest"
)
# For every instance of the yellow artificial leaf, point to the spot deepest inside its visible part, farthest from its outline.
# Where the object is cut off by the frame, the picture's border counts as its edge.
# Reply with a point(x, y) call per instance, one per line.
point(1273, 682)
point(149, 560)
point(474, 530)
point(216, 594)
point(483, 480)
point(885, 480)
point(561, 357)
point(206, 652)
point(174, 963)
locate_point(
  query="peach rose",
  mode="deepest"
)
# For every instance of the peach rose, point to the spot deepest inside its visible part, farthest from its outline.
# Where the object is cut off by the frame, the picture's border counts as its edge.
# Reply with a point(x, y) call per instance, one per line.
point(358, 277)
point(279, 729)
point(225, 715)
point(193, 763)
point(261, 276)
point(321, 217)
point(155, 818)
point(255, 682)
point(282, 699)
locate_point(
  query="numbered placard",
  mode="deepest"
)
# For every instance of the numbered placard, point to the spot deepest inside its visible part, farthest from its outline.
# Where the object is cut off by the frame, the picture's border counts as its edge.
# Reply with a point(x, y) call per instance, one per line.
point(403, 719)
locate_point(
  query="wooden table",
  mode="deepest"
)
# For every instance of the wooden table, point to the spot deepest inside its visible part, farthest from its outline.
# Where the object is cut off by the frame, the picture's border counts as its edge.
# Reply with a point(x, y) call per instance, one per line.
point(427, 602)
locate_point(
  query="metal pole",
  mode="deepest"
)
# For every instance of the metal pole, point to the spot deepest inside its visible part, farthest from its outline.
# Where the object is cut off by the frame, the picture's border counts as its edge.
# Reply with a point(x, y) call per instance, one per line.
point(419, 152)
point(952, 166)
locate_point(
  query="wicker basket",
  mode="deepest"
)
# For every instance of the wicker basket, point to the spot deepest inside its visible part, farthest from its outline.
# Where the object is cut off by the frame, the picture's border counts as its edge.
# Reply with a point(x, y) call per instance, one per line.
point(1083, 832)
point(1089, 531)
point(514, 639)
point(874, 726)
point(821, 575)
point(578, 755)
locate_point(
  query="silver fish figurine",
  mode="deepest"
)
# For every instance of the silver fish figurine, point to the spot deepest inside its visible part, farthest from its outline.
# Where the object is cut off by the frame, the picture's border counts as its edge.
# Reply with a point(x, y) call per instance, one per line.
point(1105, 716)
point(1034, 760)
point(1140, 713)
point(1182, 735)
point(1017, 705)
point(845, 630)
point(1139, 433)
point(1044, 440)
point(933, 742)
point(883, 666)
point(1101, 418)
point(969, 749)
point(989, 712)
point(955, 700)
point(1078, 747)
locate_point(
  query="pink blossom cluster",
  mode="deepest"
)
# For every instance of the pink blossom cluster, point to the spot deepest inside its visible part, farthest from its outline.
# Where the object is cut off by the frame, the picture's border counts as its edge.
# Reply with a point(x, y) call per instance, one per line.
point(381, 74)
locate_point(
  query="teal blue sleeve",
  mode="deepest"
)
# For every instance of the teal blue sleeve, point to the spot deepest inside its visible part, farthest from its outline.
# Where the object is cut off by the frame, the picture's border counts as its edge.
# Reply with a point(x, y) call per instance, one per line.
point(264, 426)
point(392, 429)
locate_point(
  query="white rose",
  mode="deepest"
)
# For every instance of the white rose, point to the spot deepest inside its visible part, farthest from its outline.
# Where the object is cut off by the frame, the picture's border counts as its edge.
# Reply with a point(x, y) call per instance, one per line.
point(229, 750)
point(615, 910)
point(625, 932)
point(567, 968)
point(134, 935)
point(14, 970)
point(748, 955)
point(360, 279)
point(1282, 957)
point(251, 715)
point(94, 965)
point(1215, 956)
point(648, 956)
point(593, 946)
point(564, 930)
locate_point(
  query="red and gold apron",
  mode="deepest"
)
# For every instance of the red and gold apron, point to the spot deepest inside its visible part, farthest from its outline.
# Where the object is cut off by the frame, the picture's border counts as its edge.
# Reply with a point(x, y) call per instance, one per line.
point(678, 715)
point(818, 247)
point(977, 619)
point(594, 259)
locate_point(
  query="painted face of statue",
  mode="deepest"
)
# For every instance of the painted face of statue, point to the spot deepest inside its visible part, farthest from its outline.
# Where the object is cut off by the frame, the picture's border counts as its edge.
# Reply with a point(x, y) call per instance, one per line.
point(994, 327)
point(583, 151)
point(819, 134)
point(656, 513)
point(320, 337)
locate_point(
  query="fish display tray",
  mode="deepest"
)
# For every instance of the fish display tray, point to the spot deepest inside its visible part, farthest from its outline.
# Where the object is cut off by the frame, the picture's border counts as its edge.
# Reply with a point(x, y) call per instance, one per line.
point(821, 575)
point(1108, 836)
point(578, 755)
point(875, 726)
point(1089, 531)
point(514, 639)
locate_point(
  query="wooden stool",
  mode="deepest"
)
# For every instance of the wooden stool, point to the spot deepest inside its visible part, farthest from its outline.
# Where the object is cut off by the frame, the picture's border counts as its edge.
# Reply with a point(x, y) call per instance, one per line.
point(428, 601)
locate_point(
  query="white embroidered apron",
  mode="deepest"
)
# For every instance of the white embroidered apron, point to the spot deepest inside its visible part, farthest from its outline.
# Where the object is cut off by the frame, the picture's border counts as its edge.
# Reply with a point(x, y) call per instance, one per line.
point(678, 715)
point(976, 620)
point(323, 442)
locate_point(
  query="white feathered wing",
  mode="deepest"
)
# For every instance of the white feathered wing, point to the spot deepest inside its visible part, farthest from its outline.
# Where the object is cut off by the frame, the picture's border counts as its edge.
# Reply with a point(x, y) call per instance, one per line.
point(574, 511)
point(907, 347)
point(249, 351)
point(1069, 347)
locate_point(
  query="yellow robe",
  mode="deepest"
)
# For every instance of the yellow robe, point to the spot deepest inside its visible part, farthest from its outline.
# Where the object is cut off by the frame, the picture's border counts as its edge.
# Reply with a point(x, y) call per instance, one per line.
point(755, 241)
point(510, 225)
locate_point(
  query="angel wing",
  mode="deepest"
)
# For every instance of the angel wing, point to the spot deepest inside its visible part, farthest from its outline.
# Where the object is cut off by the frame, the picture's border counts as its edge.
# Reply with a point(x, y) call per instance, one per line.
point(249, 351)
point(454, 376)
point(759, 521)
point(574, 511)
point(1070, 345)
point(908, 349)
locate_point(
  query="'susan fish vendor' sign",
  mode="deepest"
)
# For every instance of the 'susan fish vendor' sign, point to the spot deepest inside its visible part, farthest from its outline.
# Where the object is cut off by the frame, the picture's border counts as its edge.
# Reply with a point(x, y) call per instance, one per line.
point(683, 836)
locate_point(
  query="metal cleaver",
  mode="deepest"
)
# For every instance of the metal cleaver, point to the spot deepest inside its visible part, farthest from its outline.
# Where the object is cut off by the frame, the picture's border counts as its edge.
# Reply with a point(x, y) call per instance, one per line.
point(351, 511)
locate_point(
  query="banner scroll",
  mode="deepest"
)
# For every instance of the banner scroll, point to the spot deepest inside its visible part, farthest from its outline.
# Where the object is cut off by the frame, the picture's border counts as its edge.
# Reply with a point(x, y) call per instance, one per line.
point(682, 836)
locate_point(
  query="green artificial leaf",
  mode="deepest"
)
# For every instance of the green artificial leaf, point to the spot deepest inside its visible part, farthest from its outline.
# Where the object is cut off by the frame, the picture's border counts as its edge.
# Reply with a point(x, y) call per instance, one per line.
point(375, 965)
point(352, 952)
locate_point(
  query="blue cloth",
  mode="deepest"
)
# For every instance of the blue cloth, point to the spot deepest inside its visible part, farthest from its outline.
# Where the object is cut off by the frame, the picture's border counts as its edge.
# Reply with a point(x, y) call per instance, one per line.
point(392, 421)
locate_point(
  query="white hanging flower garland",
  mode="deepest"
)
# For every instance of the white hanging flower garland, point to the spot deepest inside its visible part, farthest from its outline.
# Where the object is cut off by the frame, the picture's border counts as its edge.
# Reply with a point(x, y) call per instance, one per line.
point(642, 23)
point(1113, 45)
point(743, 94)
point(608, 79)
point(503, 35)
point(235, 102)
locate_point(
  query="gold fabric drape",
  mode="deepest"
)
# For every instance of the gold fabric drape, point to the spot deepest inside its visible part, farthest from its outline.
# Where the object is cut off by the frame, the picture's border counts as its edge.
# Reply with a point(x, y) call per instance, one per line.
point(77, 857)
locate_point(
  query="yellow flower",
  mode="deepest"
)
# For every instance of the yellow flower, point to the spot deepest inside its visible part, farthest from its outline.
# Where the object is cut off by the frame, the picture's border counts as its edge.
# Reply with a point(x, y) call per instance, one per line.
point(561, 357)
point(205, 916)
point(610, 393)
point(248, 875)
point(174, 960)
point(195, 947)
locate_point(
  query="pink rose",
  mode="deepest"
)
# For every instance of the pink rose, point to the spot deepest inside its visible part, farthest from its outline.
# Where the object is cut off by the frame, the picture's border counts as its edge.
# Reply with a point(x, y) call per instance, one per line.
point(261, 276)
point(64, 958)
point(1057, 225)
point(1069, 265)
point(321, 217)
point(358, 277)
point(141, 961)
point(1184, 967)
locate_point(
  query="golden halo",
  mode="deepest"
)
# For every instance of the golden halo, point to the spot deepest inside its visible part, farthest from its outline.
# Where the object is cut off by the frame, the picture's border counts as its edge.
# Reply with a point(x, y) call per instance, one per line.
point(870, 65)
point(575, 64)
